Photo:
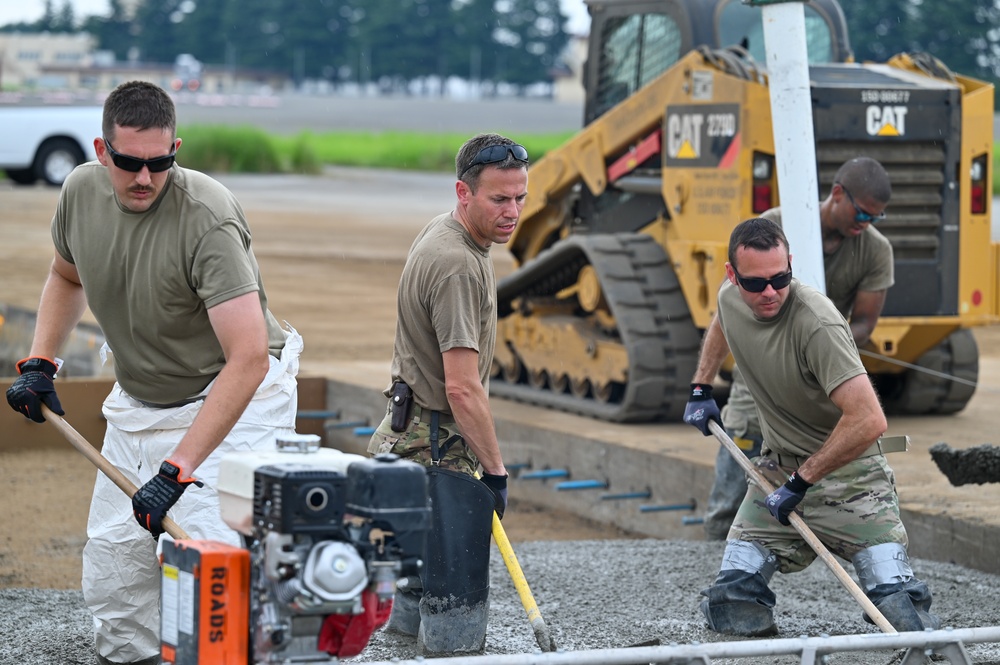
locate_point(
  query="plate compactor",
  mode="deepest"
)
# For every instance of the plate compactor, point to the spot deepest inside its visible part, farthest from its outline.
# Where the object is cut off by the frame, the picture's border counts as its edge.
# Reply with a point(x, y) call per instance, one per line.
point(326, 535)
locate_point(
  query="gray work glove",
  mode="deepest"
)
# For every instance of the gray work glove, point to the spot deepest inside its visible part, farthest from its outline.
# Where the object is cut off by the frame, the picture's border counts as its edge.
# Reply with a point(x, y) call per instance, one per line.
point(782, 501)
point(701, 408)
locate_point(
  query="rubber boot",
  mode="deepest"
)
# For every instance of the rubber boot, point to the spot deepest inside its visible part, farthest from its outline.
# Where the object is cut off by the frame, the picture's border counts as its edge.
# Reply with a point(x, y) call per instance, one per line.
point(405, 616)
point(740, 603)
point(455, 607)
point(906, 606)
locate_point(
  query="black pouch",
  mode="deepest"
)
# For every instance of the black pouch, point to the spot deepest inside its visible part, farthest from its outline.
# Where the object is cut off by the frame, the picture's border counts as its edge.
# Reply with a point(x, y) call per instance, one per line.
point(402, 405)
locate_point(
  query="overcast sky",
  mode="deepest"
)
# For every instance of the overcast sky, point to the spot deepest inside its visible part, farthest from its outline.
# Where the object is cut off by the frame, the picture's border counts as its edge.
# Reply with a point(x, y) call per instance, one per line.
point(13, 11)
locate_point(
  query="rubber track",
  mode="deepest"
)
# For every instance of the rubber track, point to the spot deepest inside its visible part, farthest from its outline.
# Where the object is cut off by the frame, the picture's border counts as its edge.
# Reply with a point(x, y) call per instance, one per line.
point(653, 319)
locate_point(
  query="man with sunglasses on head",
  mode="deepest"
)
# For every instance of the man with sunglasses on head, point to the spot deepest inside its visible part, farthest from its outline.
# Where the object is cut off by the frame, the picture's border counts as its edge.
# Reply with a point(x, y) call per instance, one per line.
point(438, 412)
point(821, 422)
point(161, 255)
point(858, 263)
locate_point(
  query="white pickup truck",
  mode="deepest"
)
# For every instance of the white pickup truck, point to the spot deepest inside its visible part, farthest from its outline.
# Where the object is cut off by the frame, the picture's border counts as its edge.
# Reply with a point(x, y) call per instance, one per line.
point(47, 142)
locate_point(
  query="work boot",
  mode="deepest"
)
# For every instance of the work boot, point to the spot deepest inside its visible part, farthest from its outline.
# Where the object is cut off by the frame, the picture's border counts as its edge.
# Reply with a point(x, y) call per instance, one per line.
point(405, 616)
point(908, 609)
point(740, 602)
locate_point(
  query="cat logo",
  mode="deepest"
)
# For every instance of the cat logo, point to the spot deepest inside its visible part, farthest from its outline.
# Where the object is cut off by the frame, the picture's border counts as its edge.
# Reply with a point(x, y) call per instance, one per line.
point(886, 120)
point(700, 135)
point(684, 135)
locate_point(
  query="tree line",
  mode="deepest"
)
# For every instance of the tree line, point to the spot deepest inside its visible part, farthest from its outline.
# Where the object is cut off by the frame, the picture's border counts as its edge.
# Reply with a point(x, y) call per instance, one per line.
point(513, 41)
point(516, 41)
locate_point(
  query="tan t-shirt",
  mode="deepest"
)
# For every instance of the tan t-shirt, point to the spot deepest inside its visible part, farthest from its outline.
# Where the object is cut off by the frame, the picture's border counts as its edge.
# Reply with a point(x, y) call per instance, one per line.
point(447, 299)
point(151, 277)
point(791, 364)
point(861, 263)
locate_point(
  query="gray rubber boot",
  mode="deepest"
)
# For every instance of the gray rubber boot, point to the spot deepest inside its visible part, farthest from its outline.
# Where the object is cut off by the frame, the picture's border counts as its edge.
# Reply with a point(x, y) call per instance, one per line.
point(455, 605)
point(906, 606)
point(405, 617)
point(740, 603)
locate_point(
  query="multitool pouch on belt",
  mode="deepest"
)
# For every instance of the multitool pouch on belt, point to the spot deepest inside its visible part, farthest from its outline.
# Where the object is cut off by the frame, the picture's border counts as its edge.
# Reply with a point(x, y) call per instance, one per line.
point(402, 406)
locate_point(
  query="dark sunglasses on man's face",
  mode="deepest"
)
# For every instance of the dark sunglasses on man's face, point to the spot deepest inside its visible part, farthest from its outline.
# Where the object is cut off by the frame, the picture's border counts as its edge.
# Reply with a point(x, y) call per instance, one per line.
point(492, 154)
point(134, 164)
point(759, 284)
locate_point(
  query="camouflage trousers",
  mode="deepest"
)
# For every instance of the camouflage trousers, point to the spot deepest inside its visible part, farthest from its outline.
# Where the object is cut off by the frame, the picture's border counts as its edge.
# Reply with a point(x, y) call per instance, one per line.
point(415, 443)
point(852, 508)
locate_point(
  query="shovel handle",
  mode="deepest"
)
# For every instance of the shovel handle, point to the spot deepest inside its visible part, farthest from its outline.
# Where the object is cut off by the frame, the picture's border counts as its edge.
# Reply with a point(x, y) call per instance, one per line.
point(807, 534)
point(102, 463)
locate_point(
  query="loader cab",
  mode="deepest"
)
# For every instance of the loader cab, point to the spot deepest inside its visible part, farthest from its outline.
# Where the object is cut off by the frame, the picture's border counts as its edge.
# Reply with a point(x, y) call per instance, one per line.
point(634, 41)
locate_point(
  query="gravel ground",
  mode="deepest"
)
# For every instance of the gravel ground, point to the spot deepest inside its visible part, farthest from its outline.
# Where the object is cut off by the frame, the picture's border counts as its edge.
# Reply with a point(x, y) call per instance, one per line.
point(592, 595)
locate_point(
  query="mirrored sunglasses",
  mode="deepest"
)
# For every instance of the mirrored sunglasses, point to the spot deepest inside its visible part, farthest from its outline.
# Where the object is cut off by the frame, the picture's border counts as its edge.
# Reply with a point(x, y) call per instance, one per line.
point(493, 154)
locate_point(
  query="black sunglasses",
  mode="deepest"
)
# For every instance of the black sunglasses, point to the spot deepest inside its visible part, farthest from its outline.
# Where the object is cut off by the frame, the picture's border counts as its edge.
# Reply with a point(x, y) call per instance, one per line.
point(492, 154)
point(859, 214)
point(758, 284)
point(134, 164)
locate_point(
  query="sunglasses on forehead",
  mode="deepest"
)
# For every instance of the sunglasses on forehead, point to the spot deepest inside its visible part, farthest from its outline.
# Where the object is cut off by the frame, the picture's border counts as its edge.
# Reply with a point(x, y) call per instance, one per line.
point(492, 154)
point(759, 284)
point(134, 164)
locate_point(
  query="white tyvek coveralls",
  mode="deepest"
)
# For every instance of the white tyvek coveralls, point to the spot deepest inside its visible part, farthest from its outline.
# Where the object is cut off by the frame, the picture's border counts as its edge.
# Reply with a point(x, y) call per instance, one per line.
point(121, 571)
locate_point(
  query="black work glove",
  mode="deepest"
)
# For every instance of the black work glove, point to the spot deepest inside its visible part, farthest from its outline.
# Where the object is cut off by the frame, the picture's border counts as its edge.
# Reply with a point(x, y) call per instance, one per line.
point(782, 501)
point(151, 503)
point(701, 408)
point(497, 485)
point(33, 388)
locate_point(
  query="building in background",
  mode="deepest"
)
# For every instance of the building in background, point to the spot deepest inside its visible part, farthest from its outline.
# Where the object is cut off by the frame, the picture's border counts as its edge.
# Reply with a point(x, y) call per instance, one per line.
point(25, 57)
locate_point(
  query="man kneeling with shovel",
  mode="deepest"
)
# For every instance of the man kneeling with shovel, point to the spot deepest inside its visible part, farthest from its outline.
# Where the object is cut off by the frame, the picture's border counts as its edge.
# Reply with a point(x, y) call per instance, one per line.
point(821, 421)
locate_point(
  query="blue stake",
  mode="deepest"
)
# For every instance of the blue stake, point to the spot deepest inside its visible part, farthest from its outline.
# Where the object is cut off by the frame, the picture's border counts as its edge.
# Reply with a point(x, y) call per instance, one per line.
point(582, 485)
point(546, 473)
point(692, 520)
point(364, 431)
point(626, 495)
point(346, 425)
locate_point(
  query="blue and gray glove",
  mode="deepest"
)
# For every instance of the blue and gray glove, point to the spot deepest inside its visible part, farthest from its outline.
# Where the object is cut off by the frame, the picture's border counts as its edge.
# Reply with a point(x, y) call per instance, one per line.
point(701, 408)
point(782, 501)
point(497, 485)
point(151, 503)
point(33, 388)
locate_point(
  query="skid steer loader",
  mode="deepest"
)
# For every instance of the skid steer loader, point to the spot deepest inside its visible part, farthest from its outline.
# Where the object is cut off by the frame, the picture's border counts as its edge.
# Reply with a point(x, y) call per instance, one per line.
point(622, 243)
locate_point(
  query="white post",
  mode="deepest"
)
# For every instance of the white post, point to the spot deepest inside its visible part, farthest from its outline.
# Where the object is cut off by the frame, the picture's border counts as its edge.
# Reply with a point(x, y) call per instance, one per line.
point(794, 139)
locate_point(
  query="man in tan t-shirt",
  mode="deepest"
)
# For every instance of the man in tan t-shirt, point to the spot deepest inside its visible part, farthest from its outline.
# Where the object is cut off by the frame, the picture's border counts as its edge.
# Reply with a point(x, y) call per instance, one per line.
point(439, 412)
point(162, 256)
point(858, 263)
point(821, 421)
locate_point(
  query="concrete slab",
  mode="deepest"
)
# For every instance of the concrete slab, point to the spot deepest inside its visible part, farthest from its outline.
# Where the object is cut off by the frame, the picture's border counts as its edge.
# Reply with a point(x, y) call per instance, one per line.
point(674, 464)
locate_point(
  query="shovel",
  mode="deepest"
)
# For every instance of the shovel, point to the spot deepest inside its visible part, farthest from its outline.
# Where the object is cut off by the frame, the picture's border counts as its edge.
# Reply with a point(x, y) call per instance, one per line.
point(109, 469)
point(799, 524)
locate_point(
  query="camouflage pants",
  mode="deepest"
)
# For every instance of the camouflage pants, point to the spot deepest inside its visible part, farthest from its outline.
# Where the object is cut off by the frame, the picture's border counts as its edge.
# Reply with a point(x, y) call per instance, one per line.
point(415, 443)
point(852, 508)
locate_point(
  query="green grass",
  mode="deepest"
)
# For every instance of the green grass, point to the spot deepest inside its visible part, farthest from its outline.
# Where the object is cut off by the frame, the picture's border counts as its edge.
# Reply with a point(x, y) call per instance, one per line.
point(249, 150)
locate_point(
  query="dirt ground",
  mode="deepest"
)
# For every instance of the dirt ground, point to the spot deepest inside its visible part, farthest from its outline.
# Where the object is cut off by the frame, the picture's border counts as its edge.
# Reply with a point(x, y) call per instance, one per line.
point(330, 254)
point(330, 250)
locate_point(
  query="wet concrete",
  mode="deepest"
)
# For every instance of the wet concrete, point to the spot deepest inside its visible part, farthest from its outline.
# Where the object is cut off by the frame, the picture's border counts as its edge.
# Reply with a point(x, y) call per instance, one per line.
point(976, 465)
point(592, 595)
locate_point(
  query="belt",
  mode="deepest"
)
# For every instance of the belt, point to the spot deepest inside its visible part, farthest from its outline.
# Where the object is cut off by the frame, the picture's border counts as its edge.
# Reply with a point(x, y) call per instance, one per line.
point(882, 446)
